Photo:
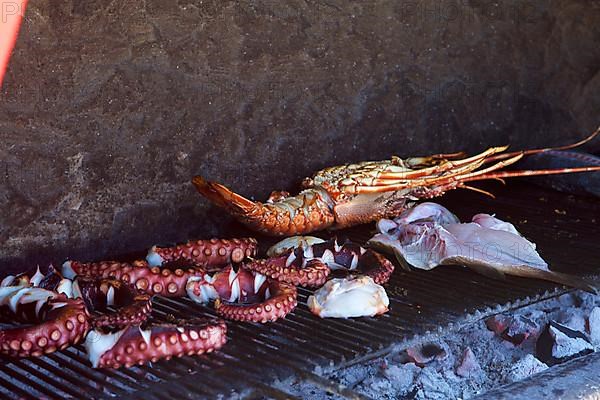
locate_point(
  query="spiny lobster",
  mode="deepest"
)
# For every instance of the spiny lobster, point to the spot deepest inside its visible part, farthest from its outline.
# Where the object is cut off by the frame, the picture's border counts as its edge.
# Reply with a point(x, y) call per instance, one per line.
point(352, 194)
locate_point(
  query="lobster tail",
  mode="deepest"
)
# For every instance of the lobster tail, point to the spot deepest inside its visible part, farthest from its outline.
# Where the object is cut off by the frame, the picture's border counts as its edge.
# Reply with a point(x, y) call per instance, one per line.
point(308, 211)
point(223, 197)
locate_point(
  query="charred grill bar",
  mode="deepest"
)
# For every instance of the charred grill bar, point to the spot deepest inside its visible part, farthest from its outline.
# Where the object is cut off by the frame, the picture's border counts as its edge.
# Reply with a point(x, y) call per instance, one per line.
point(421, 304)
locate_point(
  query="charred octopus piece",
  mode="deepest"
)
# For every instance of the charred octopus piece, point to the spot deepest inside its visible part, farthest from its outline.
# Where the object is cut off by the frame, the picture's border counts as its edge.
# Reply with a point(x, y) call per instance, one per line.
point(311, 264)
point(154, 341)
point(98, 294)
point(56, 321)
point(244, 295)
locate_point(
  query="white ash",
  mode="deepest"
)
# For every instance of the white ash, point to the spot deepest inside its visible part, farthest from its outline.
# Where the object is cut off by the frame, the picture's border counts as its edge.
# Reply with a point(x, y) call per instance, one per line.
point(594, 326)
point(525, 367)
point(577, 322)
point(565, 346)
point(477, 359)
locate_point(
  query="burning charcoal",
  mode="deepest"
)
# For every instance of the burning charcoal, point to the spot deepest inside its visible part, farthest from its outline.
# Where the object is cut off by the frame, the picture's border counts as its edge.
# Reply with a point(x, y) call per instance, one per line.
point(525, 367)
point(593, 325)
point(469, 366)
point(515, 329)
point(557, 343)
point(426, 353)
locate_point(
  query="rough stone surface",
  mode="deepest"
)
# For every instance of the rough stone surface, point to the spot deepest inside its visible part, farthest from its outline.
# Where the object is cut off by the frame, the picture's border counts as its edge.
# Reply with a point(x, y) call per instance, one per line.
point(109, 108)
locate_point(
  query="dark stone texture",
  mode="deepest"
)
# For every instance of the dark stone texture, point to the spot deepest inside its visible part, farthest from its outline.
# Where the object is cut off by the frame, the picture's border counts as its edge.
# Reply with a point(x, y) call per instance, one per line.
point(109, 108)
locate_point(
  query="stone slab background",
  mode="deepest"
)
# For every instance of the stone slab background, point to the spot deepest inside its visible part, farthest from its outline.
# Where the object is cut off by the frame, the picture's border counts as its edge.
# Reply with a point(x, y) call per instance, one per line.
point(110, 107)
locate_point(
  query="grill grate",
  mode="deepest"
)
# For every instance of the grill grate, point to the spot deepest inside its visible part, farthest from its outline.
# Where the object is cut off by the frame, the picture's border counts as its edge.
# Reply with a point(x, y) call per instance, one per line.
point(421, 303)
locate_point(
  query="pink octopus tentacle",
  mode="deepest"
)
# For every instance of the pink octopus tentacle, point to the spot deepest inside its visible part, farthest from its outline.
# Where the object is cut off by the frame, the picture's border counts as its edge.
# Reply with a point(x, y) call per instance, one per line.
point(312, 264)
point(205, 253)
point(133, 307)
point(283, 301)
point(244, 295)
point(152, 281)
point(283, 268)
point(139, 345)
point(58, 322)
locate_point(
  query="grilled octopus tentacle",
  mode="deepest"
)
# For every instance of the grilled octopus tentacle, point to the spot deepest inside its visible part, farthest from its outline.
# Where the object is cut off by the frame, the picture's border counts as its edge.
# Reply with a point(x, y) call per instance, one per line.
point(58, 321)
point(285, 268)
point(133, 307)
point(153, 281)
point(213, 252)
point(244, 295)
point(311, 264)
point(150, 343)
point(168, 268)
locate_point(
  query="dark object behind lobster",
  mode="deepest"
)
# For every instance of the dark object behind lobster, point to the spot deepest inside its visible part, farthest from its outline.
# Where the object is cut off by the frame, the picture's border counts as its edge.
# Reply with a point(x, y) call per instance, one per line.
point(580, 184)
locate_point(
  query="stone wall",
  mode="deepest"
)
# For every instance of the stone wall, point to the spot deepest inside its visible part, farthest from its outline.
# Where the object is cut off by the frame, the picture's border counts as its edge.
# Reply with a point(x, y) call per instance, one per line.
point(109, 108)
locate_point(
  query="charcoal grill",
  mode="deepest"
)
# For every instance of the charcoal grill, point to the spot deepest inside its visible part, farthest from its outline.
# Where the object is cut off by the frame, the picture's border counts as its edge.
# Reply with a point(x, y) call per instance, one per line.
point(421, 303)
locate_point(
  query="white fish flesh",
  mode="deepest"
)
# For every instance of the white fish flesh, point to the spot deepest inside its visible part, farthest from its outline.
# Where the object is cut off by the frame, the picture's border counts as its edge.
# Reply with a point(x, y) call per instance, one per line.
point(349, 297)
point(429, 235)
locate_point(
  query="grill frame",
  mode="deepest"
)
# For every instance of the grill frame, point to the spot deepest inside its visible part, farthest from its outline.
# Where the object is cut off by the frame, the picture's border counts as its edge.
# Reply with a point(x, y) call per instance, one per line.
point(422, 303)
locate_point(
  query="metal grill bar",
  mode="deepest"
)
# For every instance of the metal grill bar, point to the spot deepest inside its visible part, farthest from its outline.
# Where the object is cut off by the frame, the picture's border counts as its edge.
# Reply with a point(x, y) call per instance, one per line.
point(420, 302)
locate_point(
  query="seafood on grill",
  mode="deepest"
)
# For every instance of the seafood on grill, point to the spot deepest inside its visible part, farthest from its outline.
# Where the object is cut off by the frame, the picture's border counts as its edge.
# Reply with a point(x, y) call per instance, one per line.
point(429, 235)
point(150, 342)
point(52, 320)
point(357, 296)
point(204, 253)
point(291, 243)
point(309, 262)
point(243, 295)
point(167, 269)
point(132, 306)
point(347, 195)
point(165, 281)
point(51, 300)
point(63, 306)
point(98, 294)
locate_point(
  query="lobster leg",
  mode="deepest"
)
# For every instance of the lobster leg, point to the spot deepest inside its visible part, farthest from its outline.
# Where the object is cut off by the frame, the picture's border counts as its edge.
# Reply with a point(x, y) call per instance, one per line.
point(443, 167)
point(455, 176)
point(388, 185)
